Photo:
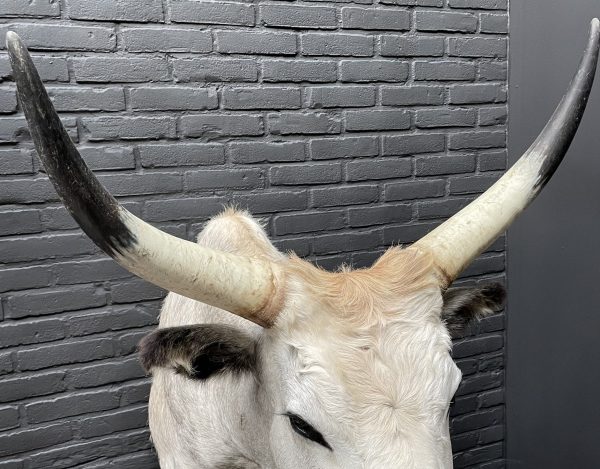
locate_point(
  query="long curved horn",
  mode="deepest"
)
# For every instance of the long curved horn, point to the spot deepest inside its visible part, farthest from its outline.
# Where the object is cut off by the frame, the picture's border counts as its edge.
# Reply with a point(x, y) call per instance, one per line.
point(244, 286)
point(460, 239)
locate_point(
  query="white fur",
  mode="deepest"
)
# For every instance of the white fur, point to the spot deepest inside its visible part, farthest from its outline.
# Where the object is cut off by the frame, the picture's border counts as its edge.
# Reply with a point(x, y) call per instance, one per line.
point(379, 393)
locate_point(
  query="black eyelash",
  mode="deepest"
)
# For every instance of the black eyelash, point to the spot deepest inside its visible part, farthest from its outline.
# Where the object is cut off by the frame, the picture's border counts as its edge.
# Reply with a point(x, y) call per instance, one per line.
point(302, 428)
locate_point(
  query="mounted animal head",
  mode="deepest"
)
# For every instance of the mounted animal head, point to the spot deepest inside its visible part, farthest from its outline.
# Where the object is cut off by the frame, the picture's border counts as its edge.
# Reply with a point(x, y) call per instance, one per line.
point(355, 365)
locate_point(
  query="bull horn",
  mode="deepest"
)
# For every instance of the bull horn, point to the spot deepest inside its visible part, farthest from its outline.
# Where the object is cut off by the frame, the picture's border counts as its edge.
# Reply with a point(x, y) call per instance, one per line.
point(456, 242)
point(244, 286)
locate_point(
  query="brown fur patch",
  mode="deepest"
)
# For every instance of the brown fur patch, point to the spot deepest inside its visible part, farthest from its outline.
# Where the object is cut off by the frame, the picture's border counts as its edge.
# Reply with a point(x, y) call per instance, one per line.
point(362, 296)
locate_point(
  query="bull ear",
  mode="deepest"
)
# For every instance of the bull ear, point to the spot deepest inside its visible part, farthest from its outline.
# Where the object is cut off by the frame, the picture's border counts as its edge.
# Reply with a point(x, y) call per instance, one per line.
point(199, 352)
point(464, 305)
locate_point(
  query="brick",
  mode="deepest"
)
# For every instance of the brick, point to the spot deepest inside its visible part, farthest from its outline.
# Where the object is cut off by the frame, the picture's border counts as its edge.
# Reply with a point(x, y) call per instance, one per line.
point(477, 94)
point(110, 422)
point(492, 71)
point(440, 208)
point(90, 450)
point(373, 70)
point(251, 42)
point(108, 158)
point(478, 345)
point(173, 98)
point(117, 10)
point(263, 152)
point(193, 209)
point(478, 420)
point(478, 47)
point(36, 247)
point(64, 353)
point(347, 195)
point(261, 98)
point(49, 68)
point(119, 69)
point(407, 234)
point(432, 118)
point(87, 98)
point(477, 140)
point(493, 160)
point(223, 179)
point(335, 243)
point(345, 147)
point(493, 24)
point(129, 128)
point(446, 21)
point(377, 120)
point(15, 129)
point(485, 265)
point(135, 290)
point(445, 70)
point(162, 39)
point(40, 36)
point(304, 17)
point(305, 174)
point(215, 70)
point(22, 278)
point(24, 386)
point(491, 398)
point(17, 191)
point(9, 418)
point(413, 143)
point(411, 46)
point(139, 184)
point(71, 405)
point(315, 71)
point(105, 373)
point(439, 165)
point(309, 222)
point(142, 459)
point(90, 270)
point(493, 115)
point(412, 95)
point(375, 18)
point(113, 318)
point(212, 13)
point(34, 8)
point(299, 246)
point(181, 154)
point(219, 125)
point(424, 3)
point(19, 222)
point(357, 45)
point(8, 100)
point(34, 438)
point(341, 96)
point(286, 123)
point(483, 4)
point(421, 189)
point(378, 169)
point(272, 202)
point(49, 301)
point(471, 185)
point(389, 213)
point(6, 363)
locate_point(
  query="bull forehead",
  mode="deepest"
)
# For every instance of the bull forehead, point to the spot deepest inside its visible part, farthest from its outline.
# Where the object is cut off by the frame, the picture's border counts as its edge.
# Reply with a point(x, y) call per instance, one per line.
point(381, 381)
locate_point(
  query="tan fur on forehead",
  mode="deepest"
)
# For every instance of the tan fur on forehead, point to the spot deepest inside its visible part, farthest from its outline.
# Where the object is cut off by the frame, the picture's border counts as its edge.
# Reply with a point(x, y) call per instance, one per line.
point(364, 297)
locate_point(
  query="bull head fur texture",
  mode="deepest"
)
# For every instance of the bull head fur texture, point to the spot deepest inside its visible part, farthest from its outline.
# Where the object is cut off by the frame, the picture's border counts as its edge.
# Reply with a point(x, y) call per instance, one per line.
point(312, 369)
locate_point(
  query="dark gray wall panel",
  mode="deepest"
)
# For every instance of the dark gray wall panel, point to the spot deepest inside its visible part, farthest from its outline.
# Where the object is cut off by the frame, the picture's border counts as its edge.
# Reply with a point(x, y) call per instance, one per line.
point(554, 258)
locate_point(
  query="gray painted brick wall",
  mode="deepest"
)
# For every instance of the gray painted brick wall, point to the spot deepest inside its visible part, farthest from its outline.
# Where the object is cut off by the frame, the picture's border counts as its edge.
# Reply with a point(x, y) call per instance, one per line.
point(347, 126)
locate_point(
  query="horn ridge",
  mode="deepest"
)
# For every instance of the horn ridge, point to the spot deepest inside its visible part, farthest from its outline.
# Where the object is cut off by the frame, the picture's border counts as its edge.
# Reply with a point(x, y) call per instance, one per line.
point(461, 238)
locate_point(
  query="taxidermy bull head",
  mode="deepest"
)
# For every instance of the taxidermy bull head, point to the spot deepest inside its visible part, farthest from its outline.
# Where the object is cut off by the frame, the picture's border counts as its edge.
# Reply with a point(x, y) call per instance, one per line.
point(262, 360)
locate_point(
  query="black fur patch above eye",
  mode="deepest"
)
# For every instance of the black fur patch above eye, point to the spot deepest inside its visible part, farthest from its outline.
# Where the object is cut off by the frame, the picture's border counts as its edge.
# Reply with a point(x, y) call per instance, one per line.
point(198, 352)
point(467, 304)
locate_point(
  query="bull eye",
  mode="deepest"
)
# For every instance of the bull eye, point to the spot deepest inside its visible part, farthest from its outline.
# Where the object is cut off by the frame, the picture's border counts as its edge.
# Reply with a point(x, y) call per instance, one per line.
point(305, 429)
